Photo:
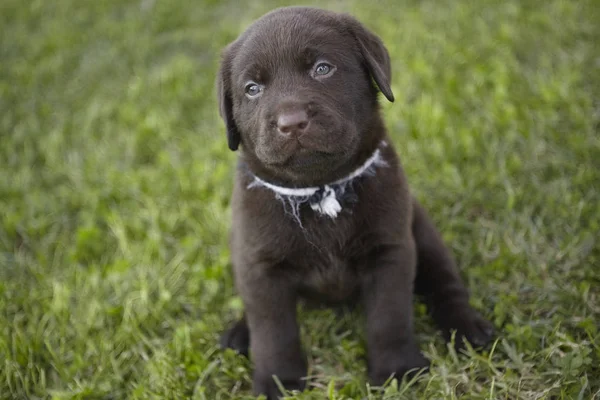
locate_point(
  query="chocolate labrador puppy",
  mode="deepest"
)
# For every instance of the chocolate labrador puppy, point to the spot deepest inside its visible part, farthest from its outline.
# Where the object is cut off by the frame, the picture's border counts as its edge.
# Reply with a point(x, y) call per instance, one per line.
point(321, 207)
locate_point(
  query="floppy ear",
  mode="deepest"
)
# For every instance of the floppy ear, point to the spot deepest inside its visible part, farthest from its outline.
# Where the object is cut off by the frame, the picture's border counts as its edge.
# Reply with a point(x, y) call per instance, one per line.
point(225, 100)
point(375, 55)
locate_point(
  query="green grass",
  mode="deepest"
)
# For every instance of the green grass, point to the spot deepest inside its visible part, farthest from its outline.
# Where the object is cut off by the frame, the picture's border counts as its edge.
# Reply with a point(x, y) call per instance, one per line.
point(115, 181)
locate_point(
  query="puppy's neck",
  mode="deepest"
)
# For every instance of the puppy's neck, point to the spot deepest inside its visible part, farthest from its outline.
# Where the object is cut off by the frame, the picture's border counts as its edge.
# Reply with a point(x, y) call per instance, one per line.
point(325, 199)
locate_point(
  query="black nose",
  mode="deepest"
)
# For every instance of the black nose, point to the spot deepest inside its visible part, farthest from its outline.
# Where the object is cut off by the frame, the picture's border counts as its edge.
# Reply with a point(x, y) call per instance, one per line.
point(292, 122)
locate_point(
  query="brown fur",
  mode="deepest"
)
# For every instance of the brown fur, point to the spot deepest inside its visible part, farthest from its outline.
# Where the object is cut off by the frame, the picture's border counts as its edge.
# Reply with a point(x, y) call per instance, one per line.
point(379, 250)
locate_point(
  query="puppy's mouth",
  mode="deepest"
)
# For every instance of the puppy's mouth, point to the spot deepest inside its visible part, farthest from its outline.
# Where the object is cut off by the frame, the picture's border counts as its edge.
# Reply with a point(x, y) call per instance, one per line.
point(314, 156)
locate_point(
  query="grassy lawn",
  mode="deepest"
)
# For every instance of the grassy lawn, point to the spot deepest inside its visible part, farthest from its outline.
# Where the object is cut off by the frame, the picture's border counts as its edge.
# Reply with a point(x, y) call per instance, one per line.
point(115, 179)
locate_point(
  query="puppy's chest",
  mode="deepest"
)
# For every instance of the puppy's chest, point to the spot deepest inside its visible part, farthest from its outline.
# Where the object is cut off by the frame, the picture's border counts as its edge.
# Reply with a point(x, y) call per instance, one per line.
point(331, 275)
point(325, 270)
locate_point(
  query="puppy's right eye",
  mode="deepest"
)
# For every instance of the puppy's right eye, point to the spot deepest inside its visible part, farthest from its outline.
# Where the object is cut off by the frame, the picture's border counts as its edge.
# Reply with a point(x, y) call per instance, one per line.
point(253, 90)
point(322, 69)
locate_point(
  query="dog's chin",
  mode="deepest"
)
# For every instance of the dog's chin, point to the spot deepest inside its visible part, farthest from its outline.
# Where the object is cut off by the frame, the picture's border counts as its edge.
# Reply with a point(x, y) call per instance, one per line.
point(305, 167)
point(305, 160)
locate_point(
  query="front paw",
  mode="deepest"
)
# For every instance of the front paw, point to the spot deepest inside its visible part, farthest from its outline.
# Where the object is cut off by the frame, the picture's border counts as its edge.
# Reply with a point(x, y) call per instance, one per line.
point(468, 325)
point(407, 362)
point(266, 384)
point(237, 338)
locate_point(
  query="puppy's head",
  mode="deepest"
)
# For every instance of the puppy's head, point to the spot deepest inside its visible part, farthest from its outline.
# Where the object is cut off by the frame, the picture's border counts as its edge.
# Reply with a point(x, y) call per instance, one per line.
point(296, 91)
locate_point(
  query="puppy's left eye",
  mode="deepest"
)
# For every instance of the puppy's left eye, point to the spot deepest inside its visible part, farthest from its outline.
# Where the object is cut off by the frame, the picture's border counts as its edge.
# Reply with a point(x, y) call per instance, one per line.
point(322, 70)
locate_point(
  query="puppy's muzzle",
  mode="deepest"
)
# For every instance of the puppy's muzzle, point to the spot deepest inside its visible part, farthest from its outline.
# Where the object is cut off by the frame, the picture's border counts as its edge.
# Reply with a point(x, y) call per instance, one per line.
point(292, 122)
point(292, 119)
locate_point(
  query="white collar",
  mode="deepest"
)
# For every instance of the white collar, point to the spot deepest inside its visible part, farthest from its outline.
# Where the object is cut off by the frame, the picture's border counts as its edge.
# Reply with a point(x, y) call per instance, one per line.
point(322, 199)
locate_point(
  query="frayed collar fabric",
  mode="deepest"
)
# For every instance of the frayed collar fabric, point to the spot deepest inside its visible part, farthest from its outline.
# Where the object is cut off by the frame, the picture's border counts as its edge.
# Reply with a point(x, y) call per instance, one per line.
point(326, 199)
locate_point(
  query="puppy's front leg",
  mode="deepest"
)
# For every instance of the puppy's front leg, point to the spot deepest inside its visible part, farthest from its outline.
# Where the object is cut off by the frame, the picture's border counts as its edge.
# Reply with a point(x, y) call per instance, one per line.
point(387, 292)
point(275, 347)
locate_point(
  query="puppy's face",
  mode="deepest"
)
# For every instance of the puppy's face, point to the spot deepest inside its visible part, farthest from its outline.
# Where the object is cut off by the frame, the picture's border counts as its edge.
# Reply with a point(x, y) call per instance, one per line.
point(295, 90)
